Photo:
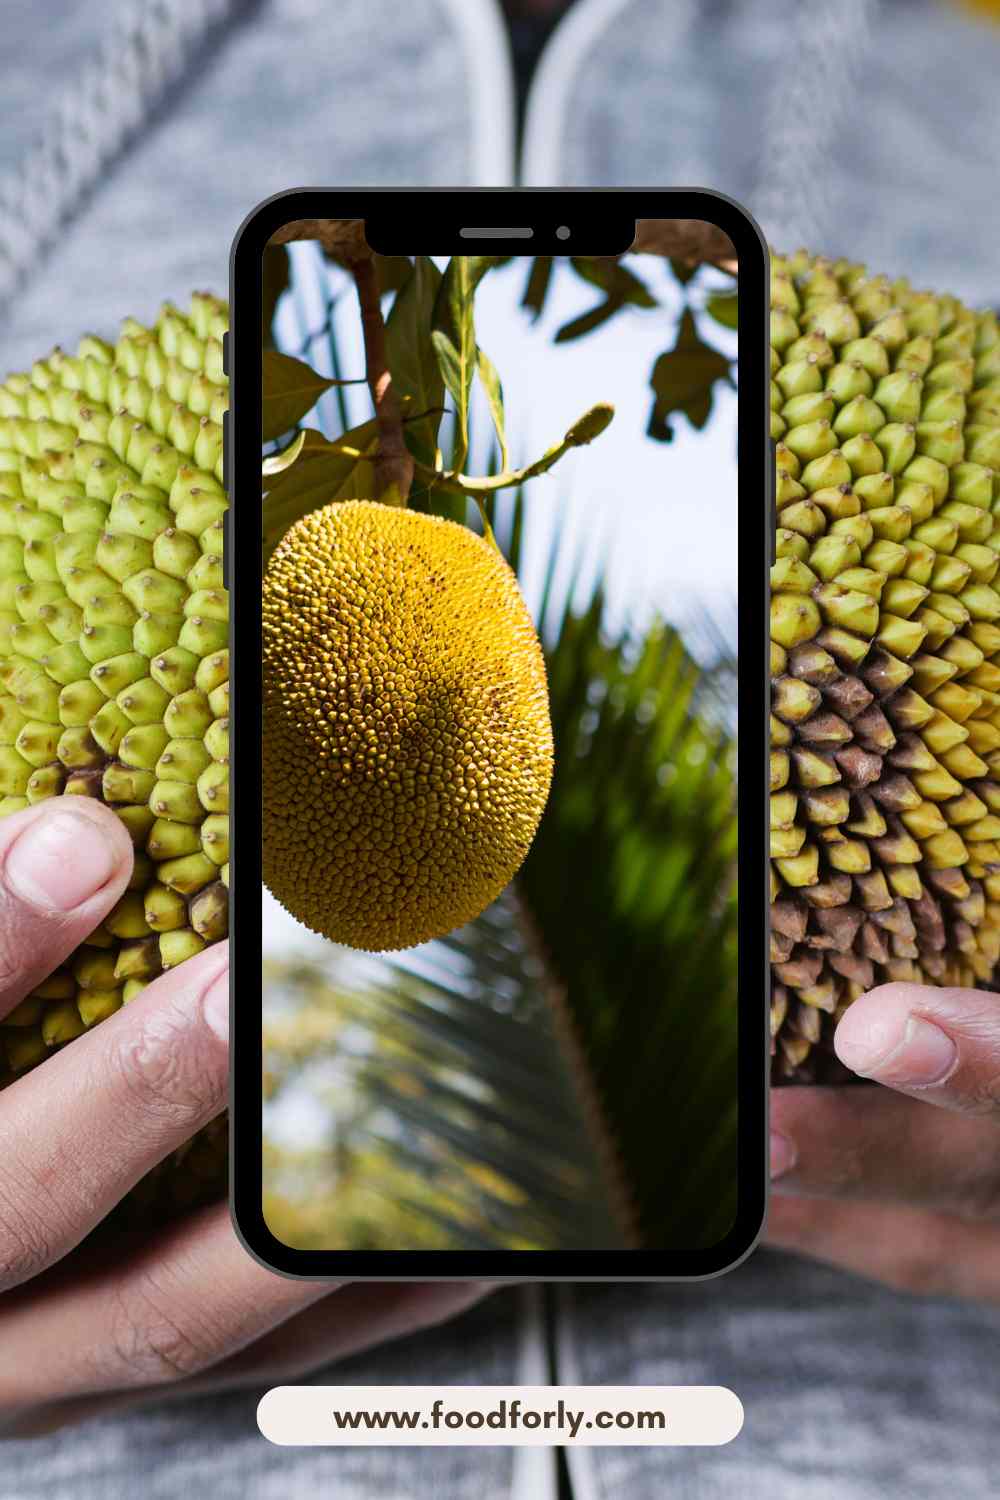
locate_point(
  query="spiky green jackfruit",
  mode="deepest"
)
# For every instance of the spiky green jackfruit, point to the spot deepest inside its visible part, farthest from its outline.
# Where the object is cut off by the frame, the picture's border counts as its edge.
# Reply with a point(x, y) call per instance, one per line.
point(885, 645)
point(114, 661)
point(407, 748)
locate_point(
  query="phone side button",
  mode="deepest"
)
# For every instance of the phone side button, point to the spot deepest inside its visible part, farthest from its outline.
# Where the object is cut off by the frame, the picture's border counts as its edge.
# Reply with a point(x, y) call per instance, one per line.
point(227, 517)
point(772, 506)
point(225, 353)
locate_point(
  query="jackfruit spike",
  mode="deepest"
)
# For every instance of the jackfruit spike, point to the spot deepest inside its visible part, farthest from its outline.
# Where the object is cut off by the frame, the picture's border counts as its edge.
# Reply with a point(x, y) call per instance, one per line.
point(886, 618)
point(111, 554)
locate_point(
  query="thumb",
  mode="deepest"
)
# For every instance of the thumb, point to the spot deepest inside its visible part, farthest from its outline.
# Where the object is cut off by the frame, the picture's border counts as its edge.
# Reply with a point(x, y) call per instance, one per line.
point(940, 1045)
point(63, 864)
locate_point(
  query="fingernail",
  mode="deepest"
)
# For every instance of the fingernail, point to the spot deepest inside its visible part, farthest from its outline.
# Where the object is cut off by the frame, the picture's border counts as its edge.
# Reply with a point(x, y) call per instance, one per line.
point(216, 1005)
point(916, 1057)
point(60, 860)
point(782, 1154)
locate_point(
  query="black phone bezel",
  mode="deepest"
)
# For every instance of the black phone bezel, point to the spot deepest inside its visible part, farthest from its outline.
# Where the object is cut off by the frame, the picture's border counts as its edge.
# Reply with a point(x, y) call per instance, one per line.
point(422, 209)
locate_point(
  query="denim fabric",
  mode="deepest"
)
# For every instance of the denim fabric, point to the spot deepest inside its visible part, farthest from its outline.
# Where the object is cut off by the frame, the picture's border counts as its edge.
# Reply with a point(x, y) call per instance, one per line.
point(868, 128)
point(292, 93)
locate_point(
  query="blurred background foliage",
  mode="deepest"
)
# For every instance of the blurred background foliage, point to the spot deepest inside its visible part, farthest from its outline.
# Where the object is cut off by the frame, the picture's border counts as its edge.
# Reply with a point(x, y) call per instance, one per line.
point(560, 1073)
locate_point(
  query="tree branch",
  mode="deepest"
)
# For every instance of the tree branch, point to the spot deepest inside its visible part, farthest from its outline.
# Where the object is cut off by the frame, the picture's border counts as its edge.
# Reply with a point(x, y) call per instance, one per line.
point(344, 239)
point(393, 460)
point(691, 240)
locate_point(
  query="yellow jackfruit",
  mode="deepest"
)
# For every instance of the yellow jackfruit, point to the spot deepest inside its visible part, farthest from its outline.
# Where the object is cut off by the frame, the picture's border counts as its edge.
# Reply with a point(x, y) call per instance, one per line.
point(407, 747)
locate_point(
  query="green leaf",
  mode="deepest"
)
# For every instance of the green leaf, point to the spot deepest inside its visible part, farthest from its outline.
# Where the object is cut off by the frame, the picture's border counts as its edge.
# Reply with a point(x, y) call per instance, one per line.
point(392, 271)
point(724, 308)
point(277, 463)
point(621, 287)
point(454, 337)
point(494, 394)
point(539, 280)
point(291, 388)
point(685, 271)
point(274, 280)
point(411, 355)
point(313, 471)
point(309, 445)
point(683, 380)
point(587, 322)
point(614, 278)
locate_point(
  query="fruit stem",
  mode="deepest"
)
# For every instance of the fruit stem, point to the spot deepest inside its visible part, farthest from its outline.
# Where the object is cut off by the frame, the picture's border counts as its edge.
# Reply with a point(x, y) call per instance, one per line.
point(393, 460)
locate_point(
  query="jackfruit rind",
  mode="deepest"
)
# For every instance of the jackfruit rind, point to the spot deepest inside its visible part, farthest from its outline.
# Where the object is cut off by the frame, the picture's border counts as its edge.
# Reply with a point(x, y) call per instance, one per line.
point(114, 662)
point(885, 645)
point(407, 747)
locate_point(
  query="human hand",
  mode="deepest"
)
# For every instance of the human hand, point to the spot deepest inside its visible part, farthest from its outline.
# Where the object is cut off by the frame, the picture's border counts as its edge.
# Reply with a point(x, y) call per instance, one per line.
point(899, 1182)
point(180, 1310)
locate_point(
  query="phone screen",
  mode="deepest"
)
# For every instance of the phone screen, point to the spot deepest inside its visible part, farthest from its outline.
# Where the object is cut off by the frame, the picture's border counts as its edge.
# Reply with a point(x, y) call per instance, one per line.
point(499, 635)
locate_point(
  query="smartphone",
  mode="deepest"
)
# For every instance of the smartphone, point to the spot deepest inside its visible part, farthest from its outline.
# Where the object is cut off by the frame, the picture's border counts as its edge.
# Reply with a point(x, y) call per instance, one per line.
point(497, 628)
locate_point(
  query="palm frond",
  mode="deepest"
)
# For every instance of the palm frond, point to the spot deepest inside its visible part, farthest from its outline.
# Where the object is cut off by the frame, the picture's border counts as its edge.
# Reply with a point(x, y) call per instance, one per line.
point(448, 1100)
point(630, 885)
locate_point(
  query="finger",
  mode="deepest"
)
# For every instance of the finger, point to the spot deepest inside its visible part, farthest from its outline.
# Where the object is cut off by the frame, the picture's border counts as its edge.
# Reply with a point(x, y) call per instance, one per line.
point(910, 1249)
point(941, 1045)
point(190, 1297)
point(358, 1318)
point(873, 1144)
point(83, 1128)
point(63, 865)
